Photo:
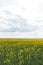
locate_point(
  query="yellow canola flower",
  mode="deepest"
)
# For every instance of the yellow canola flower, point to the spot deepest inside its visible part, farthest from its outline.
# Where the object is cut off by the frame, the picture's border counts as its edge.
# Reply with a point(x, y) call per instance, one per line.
point(20, 52)
point(4, 61)
point(33, 49)
point(8, 60)
point(38, 49)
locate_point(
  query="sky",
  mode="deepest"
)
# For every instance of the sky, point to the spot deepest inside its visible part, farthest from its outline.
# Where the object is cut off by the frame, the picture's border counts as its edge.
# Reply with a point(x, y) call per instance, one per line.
point(21, 18)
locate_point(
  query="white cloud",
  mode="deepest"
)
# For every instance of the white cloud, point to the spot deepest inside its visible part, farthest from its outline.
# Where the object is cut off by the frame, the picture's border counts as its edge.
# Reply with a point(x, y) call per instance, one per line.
point(16, 35)
point(9, 19)
point(21, 15)
point(7, 2)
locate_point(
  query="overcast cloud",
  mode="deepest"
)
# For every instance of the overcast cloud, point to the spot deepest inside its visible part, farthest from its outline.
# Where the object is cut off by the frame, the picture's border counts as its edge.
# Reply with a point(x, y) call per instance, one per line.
point(23, 16)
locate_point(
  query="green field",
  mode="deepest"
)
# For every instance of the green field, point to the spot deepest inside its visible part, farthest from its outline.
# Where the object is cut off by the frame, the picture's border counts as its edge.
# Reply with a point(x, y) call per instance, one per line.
point(21, 52)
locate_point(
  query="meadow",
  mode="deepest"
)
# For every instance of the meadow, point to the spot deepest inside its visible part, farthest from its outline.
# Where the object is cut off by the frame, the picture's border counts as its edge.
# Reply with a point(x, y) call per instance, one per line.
point(21, 52)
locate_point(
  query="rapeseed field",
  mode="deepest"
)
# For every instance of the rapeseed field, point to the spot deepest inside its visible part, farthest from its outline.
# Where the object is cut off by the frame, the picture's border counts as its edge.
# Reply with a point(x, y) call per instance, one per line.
point(21, 52)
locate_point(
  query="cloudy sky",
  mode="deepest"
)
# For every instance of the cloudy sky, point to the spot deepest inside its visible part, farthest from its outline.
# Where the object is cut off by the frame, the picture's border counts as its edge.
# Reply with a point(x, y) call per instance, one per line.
point(21, 18)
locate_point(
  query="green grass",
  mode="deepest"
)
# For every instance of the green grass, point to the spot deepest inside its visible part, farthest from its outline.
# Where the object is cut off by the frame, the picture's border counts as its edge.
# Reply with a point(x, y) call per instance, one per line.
point(21, 52)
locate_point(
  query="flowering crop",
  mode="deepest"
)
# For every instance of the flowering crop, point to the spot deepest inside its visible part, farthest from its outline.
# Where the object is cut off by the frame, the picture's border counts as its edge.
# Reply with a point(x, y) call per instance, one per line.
point(21, 52)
